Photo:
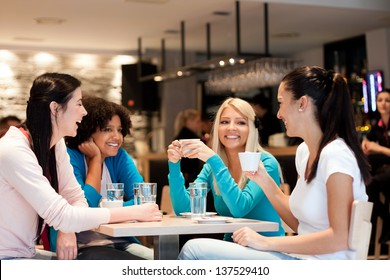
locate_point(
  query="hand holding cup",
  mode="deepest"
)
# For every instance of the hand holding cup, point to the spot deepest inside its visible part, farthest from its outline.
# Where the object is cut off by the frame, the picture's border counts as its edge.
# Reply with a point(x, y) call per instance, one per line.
point(186, 145)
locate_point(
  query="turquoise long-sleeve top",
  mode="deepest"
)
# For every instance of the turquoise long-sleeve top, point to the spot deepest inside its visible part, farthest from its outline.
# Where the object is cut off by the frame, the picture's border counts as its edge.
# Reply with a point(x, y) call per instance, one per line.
point(250, 202)
point(122, 169)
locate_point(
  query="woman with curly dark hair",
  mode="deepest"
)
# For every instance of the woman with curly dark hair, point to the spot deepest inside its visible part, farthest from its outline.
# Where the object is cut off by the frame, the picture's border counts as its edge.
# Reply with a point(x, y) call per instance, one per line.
point(98, 158)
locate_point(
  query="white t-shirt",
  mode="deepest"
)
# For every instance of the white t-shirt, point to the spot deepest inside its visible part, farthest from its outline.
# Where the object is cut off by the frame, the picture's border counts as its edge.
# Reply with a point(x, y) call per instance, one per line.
point(308, 202)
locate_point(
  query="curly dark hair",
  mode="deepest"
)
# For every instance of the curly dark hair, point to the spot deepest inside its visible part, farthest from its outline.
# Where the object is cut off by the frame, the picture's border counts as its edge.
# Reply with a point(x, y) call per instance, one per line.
point(100, 112)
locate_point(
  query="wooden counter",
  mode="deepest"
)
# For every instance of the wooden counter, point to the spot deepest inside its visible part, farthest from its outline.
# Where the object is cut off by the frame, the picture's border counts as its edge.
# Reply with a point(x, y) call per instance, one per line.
point(282, 151)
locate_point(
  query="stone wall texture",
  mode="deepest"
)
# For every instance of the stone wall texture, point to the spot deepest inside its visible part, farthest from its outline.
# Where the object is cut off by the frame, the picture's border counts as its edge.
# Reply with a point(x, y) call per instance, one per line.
point(100, 75)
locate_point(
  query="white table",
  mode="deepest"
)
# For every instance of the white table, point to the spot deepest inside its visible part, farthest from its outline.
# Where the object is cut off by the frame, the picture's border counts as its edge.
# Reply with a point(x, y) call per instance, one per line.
point(166, 233)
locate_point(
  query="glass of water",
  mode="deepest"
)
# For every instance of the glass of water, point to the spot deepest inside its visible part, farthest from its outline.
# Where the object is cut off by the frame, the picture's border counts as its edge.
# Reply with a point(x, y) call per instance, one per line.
point(137, 200)
point(147, 192)
point(198, 195)
point(115, 191)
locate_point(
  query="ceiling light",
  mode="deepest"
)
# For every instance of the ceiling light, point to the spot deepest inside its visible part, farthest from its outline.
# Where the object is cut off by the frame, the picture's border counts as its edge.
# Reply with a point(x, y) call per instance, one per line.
point(158, 78)
point(44, 58)
point(221, 13)
point(171, 31)
point(49, 21)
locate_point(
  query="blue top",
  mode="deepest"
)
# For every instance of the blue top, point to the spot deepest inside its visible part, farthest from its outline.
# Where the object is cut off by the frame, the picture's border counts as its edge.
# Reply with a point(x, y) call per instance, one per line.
point(122, 169)
point(250, 202)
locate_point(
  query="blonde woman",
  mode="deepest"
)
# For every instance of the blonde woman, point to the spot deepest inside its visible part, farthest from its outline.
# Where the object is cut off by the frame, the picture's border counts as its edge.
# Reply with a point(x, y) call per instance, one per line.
point(235, 130)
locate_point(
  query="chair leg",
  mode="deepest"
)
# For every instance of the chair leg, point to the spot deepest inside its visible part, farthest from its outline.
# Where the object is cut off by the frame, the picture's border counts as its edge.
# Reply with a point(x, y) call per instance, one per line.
point(377, 248)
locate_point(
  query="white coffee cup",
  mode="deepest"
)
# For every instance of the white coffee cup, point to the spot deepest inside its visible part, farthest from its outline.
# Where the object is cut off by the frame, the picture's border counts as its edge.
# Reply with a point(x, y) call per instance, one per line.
point(185, 142)
point(249, 161)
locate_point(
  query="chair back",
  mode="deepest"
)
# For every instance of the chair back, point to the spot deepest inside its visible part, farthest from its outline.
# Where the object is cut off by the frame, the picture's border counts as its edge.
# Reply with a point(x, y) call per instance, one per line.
point(166, 203)
point(360, 228)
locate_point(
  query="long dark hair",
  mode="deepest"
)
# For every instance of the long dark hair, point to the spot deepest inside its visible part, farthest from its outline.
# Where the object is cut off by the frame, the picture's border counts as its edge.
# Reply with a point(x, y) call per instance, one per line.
point(330, 94)
point(45, 89)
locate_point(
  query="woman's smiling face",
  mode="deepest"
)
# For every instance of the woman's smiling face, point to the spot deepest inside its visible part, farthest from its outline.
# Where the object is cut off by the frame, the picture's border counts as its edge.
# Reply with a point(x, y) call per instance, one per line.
point(233, 129)
point(110, 138)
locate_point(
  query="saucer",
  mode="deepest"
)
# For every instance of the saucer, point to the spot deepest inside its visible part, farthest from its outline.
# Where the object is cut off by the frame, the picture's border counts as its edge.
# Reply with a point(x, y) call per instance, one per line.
point(212, 220)
point(188, 214)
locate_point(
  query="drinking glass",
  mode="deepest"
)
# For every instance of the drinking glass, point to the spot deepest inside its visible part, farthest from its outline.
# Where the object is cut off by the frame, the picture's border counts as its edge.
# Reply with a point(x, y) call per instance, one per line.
point(198, 194)
point(147, 192)
point(115, 191)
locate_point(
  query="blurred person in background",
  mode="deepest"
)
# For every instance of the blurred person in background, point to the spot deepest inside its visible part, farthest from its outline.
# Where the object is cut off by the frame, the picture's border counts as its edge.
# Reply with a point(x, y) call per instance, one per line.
point(8, 121)
point(207, 125)
point(376, 145)
point(269, 123)
point(188, 125)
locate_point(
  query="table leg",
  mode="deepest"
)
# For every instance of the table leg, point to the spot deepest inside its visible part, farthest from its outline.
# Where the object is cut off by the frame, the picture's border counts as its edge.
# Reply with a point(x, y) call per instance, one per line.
point(166, 247)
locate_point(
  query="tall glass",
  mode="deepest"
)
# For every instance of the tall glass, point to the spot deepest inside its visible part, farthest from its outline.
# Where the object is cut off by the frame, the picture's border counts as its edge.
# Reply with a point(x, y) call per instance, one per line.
point(137, 200)
point(198, 195)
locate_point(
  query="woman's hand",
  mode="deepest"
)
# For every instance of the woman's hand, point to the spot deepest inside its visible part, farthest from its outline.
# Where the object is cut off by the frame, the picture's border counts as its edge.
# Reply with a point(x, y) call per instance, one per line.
point(66, 246)
point(147, 212)
point(249, 238)
point(370, 147)
point(259, 176)
point(196, 149)
point(174, 151)
point(90, 149)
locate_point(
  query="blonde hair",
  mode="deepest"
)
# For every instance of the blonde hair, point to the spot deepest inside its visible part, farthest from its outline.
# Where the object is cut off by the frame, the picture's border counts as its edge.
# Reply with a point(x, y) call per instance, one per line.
point(182, 117)
point(252, 143)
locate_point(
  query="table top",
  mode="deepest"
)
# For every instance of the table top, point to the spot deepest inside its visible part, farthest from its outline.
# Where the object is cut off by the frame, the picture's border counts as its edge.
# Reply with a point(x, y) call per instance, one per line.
point(175, 225)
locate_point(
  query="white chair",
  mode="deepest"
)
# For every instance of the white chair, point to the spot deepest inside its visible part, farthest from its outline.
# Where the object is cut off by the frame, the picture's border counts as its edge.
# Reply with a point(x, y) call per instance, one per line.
point(360, 228)
point(378, 246)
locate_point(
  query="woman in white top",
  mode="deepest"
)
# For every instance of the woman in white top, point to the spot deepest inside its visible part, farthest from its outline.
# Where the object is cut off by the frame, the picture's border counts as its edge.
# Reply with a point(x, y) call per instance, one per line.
point(37, 184)
point(315, 105)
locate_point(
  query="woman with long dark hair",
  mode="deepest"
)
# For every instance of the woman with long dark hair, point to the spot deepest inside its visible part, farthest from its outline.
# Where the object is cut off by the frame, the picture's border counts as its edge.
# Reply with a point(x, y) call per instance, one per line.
point(37, 184)
point(315, 105)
